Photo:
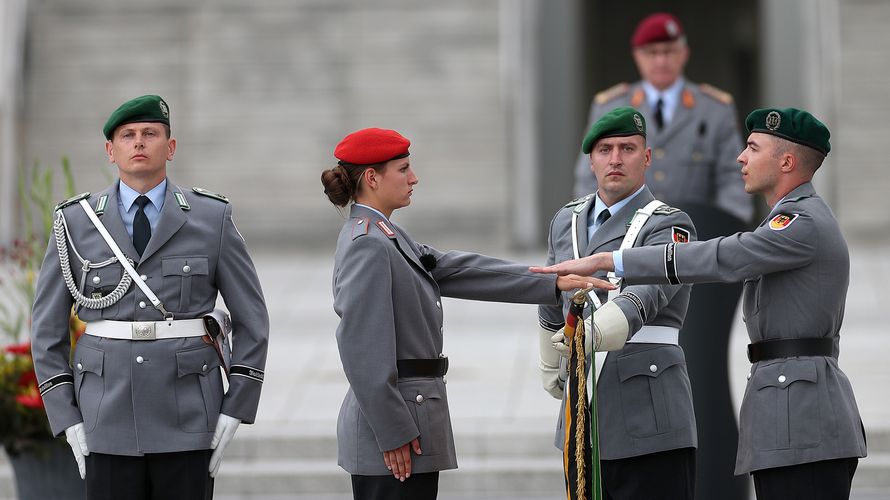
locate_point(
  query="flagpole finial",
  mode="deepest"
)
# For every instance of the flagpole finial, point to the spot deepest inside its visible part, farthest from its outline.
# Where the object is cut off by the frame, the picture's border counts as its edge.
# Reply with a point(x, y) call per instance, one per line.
point(582, 296)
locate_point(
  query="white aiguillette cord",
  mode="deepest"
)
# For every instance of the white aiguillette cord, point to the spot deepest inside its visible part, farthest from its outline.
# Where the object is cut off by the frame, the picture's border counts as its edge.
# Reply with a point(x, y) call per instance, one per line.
point(124, 261)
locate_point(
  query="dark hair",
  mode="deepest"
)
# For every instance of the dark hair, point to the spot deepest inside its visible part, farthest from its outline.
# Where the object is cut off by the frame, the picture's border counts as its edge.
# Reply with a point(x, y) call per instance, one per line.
point(342, 182)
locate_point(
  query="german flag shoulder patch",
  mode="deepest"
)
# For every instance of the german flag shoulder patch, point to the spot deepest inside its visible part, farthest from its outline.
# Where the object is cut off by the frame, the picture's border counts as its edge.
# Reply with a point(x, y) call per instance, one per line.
point(679, 235)
point(782, 221)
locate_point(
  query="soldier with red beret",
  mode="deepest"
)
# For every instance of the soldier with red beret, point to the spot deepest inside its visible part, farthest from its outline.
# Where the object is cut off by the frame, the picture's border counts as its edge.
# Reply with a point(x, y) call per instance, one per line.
point(394, 430)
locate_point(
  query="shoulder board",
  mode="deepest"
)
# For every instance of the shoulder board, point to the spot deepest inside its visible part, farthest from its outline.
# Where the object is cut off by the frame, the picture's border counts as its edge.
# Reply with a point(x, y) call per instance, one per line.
point(210, 194)
point(578, 201)
point(72, 200)
point(611, 93)
point(715, 93)
point(360, 227)
point(665, 210)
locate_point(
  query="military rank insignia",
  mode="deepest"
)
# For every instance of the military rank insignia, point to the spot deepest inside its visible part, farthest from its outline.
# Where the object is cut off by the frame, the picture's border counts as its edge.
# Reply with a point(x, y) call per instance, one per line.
point(386, 230)
point(679, 235)
point(781, 221)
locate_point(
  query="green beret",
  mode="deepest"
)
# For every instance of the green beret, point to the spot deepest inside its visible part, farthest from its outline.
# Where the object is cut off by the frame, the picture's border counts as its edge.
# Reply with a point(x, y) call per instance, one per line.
point(147, 108)
point(792, 124)
point(620, 122)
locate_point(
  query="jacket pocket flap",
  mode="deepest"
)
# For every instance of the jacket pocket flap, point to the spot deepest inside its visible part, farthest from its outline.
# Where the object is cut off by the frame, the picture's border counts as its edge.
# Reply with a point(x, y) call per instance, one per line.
point(784, 373)
point(651, 362)
point(184, 266)
point(417, 391)
point(88, 359)
point(200, 361)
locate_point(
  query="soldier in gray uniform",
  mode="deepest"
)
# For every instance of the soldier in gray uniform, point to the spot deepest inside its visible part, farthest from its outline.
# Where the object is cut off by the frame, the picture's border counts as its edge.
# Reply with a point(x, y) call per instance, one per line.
point(394, 430)
point(800, 430)
point(692, 127)
point(142, 401)
point(644, 399)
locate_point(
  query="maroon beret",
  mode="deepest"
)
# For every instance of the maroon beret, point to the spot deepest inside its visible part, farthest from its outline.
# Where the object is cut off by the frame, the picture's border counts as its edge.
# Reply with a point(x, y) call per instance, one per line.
point(371, 145)
point(658, 27)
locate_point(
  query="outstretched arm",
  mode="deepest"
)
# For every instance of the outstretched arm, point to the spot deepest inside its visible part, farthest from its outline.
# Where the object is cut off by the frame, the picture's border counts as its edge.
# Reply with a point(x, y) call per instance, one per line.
point(586, 266)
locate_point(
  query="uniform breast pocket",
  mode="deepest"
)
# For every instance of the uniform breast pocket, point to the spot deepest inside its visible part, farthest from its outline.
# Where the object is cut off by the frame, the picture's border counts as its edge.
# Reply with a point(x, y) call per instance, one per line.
point(430, 411)
point(89, 386)
point(101, 282)
point(198, 389)
point(783, 404)
point(184, 278)
point(654, 391)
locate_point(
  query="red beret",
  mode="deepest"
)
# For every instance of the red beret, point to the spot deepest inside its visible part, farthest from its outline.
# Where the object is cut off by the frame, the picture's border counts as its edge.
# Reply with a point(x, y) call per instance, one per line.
point(659, 27)
point(371, 145)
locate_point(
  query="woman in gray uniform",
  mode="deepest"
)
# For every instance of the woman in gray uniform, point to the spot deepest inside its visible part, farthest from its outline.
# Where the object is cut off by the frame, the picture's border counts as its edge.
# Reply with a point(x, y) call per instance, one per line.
point(394, 431)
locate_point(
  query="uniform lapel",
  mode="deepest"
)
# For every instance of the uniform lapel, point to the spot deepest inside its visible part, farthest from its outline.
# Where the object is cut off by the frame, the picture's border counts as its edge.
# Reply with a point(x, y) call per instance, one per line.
point(112, 221)
point(172, 218)
point(581, 225)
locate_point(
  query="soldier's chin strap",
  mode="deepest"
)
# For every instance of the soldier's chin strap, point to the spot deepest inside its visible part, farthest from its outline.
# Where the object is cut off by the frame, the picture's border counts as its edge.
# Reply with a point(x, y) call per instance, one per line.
point(155, 301)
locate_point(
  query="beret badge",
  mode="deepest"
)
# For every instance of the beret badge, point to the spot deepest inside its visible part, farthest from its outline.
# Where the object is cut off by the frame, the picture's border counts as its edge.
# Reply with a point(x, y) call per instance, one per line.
point(638, 122)
point(164, 110)
point(773, 120)
point(671, 27)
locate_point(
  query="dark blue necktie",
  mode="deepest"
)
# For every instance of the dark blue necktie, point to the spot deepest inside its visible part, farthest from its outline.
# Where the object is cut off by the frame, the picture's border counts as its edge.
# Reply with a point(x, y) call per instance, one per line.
point(141, 226)
point(659, 114)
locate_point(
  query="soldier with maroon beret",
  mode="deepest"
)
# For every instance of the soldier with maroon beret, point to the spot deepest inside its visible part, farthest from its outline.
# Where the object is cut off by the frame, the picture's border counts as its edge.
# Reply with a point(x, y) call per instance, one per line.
point(692, 133)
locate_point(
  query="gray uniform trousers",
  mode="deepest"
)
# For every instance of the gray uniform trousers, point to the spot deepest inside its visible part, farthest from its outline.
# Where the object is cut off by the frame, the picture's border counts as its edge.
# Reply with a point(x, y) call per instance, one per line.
point(796, 270)
point(639, 410)
point(693, 157)
point(158, 396)
point(390, 309)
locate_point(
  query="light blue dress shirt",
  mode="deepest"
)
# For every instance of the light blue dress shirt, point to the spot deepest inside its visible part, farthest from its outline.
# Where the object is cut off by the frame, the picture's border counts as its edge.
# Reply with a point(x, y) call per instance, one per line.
point(127, 204)
point(670, 97)
point(599, 206)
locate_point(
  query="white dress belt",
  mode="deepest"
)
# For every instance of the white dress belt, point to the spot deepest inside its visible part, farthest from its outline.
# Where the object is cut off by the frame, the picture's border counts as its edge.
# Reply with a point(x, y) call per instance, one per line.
point(655, 335)
point(146, 330)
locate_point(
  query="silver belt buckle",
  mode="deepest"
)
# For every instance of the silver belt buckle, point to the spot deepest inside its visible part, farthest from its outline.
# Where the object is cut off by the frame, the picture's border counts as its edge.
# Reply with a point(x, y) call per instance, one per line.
point(143, 330)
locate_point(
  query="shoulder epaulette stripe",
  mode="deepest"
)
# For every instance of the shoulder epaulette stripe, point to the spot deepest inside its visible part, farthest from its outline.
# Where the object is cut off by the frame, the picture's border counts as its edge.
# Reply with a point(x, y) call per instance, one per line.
point(101, 204)
point(611, 93)
point(715, 93)
point(210, 194)
point(72, 200)
point(577, 201)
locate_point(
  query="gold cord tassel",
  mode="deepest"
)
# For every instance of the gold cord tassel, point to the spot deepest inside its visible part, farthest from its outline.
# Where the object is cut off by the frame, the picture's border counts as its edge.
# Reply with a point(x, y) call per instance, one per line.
point(580, 414)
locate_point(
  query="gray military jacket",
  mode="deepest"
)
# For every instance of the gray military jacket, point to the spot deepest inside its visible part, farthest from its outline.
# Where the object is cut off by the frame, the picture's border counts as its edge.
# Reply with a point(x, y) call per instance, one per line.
point(693, 157)
point(390, 309)
point(639, 410)
point(156, 396)
point(795, 410)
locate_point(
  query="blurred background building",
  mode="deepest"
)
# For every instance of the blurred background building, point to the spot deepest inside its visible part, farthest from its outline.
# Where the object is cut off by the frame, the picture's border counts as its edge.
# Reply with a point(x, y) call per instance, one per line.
point(493, 95)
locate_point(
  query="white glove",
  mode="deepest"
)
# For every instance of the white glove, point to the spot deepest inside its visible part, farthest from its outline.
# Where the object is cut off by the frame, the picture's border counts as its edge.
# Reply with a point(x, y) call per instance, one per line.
point(225, 431)
point(77, 440)
point(609, 332)
point(549, 364)
point(561, 346)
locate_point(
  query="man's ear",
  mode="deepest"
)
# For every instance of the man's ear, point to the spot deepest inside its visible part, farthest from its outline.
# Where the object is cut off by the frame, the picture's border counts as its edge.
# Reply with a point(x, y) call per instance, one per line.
point(109, 151)
point(788, 163)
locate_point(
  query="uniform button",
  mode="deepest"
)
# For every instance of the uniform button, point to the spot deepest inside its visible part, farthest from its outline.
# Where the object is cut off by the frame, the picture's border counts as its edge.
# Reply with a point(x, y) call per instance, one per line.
point(204, 368)
point(139, 359)
point(438, 304)
point(748, 377)
point(659, 153)
point(419, 398)
point(96, 280)
point(79, 366)
point(141, 304)
point(658, 175)
point(186, 268)
point(144, 277)
point(781, 379)
point(653, 368)
point(441, 355)
point(444, 380)
point(697, 156)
